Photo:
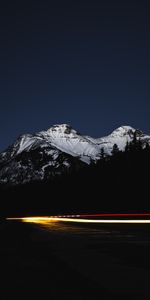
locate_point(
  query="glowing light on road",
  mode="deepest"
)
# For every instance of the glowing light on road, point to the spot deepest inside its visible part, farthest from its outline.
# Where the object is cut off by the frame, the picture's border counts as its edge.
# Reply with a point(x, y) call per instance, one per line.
point(46, 220)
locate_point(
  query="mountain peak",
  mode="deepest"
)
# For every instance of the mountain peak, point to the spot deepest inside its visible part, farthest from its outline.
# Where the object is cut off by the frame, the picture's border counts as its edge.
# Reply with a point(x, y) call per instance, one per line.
point(123, 130)
point(62, 129)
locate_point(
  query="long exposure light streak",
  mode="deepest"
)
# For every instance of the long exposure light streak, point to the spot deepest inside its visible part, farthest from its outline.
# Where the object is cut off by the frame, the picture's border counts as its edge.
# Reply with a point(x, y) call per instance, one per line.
point(45, 220)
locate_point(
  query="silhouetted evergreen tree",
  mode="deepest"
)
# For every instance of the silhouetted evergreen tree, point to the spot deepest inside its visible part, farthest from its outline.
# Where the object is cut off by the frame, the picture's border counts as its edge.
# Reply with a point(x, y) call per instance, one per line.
point(102, 153)
point(135, 137)
point(139, 145)
point(147, 147)
point(115, 149)
point(127, 148)
point(135, 144)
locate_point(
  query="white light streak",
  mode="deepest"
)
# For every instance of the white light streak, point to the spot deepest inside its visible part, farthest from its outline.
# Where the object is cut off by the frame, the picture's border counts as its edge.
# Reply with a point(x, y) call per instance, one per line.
point(78, 220)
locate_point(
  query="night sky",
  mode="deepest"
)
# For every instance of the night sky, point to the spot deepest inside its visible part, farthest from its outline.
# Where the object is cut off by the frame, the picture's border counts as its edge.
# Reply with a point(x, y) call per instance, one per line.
point(86, 63)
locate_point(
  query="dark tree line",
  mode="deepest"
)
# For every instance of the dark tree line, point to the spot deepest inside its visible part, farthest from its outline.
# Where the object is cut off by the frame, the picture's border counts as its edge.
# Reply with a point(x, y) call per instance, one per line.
point(116, 183)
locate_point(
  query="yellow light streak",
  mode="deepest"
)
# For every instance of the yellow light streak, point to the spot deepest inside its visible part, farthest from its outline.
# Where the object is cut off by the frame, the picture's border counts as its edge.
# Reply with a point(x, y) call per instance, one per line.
point(46, 220)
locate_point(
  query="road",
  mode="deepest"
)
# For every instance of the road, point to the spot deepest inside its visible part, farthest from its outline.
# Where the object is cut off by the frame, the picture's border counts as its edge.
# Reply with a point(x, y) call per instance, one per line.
point(75, 261)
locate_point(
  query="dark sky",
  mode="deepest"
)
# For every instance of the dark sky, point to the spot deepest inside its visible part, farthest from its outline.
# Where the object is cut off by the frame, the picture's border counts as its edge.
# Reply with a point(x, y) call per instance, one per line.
point(86, 63)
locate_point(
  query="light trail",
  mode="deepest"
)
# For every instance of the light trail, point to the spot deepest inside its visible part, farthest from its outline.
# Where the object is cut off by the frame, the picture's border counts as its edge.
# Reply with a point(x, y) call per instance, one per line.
point(46, 220)
point(116, 215)
point(88, 215)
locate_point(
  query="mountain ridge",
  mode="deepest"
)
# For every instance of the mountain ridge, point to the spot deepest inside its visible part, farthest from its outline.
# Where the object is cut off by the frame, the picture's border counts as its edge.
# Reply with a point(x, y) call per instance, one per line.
point(57, 150)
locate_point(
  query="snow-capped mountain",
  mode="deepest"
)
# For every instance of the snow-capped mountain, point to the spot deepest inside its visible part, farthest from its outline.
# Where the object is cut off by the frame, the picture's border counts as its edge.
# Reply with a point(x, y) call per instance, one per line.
point(57, 150)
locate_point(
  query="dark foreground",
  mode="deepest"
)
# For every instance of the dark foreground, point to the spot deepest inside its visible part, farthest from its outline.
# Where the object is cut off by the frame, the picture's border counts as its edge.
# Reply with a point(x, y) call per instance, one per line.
point(73, 262)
